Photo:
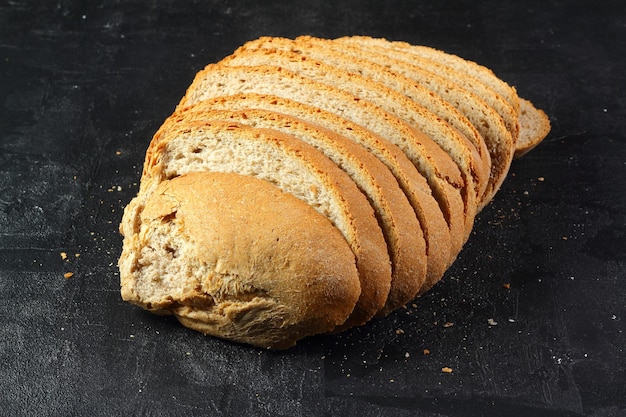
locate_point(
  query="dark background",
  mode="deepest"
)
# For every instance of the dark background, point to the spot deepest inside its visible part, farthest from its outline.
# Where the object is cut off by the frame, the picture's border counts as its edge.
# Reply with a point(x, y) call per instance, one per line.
point(84, 85)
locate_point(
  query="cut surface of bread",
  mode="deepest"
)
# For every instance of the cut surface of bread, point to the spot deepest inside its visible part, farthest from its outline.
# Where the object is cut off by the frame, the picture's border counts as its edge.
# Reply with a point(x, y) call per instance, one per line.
point(294, 167)
point(334, 54)
point(235, 257)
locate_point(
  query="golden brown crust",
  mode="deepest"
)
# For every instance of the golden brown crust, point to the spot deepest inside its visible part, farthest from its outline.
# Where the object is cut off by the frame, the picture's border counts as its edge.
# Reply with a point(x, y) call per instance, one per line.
point(277, 271)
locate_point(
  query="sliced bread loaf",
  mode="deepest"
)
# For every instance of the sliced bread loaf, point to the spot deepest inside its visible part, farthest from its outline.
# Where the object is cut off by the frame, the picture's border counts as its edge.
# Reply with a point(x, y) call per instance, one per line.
point(305, 186)
point(294, 167)
point(233, 256)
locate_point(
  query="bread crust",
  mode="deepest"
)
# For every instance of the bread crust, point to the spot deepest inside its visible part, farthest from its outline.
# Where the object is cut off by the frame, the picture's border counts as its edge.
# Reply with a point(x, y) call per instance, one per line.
point(275, 270)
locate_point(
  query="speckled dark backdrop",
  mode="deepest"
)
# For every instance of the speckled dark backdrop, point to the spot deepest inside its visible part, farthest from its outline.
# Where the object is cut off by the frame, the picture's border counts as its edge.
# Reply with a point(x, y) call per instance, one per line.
point(83, 86)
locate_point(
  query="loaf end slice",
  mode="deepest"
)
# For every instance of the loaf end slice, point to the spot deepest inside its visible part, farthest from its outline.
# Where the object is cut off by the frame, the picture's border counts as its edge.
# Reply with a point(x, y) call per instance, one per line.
point(235, 257)
point(535, 126)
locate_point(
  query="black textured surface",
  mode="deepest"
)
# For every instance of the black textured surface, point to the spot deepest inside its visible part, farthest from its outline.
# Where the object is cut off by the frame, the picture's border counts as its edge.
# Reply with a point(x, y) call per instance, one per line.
point(83, 85)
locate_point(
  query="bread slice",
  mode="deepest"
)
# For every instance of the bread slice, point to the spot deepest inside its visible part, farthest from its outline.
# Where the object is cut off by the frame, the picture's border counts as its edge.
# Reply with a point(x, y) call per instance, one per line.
point(431, 161)
point(462, 151)
point(485, 119)
point(233, 256)
point(535, 126)
point(294, 167)
point(439, 248)
point(402, 231)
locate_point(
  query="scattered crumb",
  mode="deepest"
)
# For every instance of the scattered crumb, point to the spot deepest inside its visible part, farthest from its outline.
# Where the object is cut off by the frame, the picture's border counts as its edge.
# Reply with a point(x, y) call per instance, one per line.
point(77, 255)
point(448, 324)
point(541, 179)
point(68, 275)
point(118, 153)
point(406, 355)
point(507, 286)
point(446, 370)
point(564, 238)
point(399, 331)
point(492, 322)
point(426, 352)
point(63, 255)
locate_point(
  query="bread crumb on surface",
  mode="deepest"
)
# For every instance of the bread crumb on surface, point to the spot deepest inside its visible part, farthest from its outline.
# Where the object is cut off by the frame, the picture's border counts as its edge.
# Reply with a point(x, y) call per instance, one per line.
point(506, 286)
point(63, 255)
point(68, 275)
point(446, 370)
point(426, 352)
point(492, 322)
